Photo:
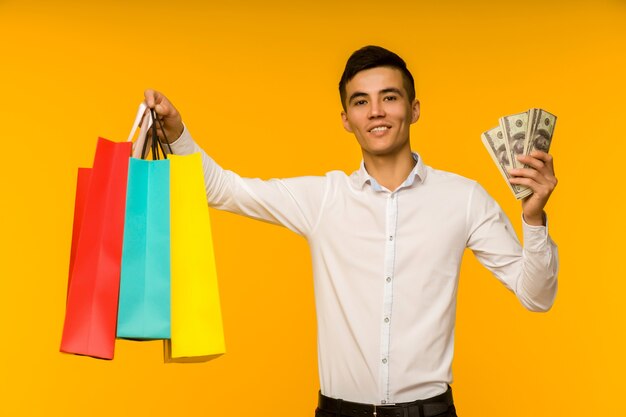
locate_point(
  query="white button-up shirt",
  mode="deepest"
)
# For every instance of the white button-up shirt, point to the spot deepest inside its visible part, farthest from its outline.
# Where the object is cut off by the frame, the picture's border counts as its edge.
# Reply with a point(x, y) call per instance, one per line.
point(386, 266)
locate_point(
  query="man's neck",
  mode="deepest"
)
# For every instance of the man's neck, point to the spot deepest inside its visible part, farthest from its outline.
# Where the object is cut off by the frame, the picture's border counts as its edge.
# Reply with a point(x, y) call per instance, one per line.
point(390, 171)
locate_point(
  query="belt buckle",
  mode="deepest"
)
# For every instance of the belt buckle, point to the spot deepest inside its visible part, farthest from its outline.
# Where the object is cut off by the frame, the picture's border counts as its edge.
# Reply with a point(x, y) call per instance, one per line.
point(375, 413)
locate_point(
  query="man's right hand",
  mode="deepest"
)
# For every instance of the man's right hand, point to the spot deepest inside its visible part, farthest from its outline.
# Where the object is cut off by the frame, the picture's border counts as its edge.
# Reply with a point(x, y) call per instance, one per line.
point(167, 113)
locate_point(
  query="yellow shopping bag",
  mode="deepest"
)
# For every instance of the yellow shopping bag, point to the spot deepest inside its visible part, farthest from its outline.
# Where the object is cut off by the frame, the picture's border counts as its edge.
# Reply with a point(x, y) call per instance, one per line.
point(196, 320)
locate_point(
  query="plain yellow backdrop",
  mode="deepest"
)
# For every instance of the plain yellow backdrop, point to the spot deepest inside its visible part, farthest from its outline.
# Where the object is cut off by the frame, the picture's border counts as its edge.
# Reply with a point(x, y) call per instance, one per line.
point(256, 83)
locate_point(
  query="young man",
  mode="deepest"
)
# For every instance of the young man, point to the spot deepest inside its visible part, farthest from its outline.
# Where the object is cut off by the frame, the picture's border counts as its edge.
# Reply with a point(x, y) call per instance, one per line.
point(386, 245)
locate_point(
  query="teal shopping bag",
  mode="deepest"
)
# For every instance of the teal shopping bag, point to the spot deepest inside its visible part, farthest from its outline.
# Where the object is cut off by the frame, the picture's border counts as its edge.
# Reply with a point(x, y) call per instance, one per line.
point(144, 301)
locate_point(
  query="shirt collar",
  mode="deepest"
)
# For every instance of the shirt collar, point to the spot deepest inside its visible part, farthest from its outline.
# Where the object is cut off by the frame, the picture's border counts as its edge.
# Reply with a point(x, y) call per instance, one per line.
point(417, 173)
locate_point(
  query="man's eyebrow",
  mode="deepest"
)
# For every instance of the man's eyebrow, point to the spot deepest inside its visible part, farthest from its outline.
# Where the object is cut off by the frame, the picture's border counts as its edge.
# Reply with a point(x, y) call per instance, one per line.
point(356, 94)
point(391, 90)
point(383, 91)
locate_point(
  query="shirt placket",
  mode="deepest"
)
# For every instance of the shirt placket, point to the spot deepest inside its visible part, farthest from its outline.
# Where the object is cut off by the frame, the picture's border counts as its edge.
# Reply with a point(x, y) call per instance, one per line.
point(391, 214)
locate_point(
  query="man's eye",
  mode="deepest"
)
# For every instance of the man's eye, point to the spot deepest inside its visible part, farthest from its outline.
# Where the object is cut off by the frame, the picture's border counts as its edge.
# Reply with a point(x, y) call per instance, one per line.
point(390, 98)
point(359, 102)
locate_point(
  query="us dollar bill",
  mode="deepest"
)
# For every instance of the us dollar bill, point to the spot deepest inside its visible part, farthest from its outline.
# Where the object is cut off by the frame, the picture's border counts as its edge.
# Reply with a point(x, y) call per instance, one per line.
point(496, 144)
point(514, 129)
point(539, 132)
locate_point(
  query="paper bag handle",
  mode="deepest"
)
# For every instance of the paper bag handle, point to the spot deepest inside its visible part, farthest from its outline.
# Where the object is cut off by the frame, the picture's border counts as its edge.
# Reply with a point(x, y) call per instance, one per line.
point(140, 145)
point(140, 112)
point(143, 131)
point(156, 146)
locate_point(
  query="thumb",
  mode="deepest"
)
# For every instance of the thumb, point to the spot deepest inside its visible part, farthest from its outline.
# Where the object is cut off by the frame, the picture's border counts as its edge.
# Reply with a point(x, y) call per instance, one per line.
point(150, 97)
point(161, 109)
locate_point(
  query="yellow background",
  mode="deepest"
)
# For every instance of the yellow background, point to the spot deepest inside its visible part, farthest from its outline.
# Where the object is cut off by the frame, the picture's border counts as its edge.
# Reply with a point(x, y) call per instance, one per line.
point(256, 84)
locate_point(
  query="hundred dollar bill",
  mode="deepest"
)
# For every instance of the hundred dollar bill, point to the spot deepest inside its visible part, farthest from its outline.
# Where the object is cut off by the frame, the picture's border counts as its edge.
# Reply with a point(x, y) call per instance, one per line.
point(495, 143)
point(540, 129)
point(514, 129)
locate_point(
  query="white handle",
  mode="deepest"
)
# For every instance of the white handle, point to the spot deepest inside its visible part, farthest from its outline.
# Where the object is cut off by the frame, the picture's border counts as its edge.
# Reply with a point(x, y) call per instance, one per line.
point(140, 111)
point(143, 131)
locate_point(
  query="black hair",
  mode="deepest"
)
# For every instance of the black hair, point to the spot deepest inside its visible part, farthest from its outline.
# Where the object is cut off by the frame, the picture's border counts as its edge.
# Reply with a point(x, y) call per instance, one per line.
point(372, 57)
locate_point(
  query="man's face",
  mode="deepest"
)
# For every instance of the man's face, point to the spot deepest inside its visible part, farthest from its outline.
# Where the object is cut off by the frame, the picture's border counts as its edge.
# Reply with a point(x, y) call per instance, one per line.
point(378, 111)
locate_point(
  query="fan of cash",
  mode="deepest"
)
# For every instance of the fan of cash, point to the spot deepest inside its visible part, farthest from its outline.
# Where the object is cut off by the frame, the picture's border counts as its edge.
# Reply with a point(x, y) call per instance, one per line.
point(519, 134)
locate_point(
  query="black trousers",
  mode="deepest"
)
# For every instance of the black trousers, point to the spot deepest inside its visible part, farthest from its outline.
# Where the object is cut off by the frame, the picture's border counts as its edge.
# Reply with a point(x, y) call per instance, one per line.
point(450, 413)
point(438, 406)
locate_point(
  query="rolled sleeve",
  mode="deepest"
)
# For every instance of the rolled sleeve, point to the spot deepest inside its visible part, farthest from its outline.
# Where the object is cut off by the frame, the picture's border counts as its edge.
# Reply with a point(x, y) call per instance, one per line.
point(185, 144)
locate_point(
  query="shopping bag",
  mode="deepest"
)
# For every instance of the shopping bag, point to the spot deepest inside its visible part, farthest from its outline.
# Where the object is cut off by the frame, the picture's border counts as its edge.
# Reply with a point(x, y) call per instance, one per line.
point(82, 186)
point(93, 284)
point(144, 303)
point(197, 332)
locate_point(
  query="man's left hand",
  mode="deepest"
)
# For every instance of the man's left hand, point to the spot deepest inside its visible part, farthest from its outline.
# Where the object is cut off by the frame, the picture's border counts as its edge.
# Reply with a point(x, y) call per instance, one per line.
point(540, 178)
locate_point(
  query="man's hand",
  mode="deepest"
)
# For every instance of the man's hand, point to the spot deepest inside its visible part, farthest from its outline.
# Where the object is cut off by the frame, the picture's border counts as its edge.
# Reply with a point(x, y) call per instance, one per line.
point(539, 178)
point(167, 113)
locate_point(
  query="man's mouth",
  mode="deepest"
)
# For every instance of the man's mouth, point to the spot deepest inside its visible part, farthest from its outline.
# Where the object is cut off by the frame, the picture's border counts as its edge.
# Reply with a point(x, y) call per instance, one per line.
point(379, 129)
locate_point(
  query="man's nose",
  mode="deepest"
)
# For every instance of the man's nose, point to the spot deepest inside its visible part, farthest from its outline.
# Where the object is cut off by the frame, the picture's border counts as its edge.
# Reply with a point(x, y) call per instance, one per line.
point(376, 109)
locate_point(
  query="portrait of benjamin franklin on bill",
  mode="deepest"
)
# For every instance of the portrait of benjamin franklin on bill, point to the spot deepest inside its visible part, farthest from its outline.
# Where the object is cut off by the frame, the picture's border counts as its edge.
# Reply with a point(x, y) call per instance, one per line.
point(542, 140)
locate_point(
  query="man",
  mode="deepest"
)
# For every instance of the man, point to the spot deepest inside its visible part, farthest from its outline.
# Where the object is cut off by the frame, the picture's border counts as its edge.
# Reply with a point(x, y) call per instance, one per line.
point(386, 245)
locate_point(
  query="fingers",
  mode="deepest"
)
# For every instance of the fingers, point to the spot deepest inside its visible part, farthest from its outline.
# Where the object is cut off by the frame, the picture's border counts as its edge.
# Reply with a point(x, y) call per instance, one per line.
point(540, 171)
point(528, 181)
point(537, 175)
point(536, 163)
point(526, 174)
point(541, 190)
point(150, 97)
point(166, 113)
point(538, 159)
point(546, 158)
point(157, 101)
point(538, 180)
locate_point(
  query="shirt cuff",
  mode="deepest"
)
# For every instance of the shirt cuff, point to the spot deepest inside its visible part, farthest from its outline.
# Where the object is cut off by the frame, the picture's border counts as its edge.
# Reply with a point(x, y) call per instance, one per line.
point(185, 144)
point(536, 238)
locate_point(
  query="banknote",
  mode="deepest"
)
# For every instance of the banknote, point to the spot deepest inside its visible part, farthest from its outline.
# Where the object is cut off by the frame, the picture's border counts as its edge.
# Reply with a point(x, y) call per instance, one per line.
point(495, 143)
point(540, 129)
point(519, 134)
point(514, 129)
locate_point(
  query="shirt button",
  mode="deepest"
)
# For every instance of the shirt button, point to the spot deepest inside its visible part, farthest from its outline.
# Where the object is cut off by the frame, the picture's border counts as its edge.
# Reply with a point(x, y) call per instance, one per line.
point(384, 360)
point(388, 279)
point(390, 238)
point(386, 319)
point(383, 402)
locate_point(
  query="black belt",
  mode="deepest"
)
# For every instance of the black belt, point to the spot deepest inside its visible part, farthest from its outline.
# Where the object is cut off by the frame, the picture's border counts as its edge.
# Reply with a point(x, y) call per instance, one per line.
point(420, 408)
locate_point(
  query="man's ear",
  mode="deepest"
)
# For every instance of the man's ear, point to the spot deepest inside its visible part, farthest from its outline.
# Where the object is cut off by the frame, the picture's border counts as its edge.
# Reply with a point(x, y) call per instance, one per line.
point(346, 123)
point(415, 111)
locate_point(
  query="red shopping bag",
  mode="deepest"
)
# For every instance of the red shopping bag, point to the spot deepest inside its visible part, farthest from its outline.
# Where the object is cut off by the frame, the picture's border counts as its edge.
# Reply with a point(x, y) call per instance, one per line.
point(95, 261)
point(82, 185)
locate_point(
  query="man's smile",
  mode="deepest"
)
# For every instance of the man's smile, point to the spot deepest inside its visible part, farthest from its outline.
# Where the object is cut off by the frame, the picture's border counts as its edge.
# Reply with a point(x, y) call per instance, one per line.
point(379, 130)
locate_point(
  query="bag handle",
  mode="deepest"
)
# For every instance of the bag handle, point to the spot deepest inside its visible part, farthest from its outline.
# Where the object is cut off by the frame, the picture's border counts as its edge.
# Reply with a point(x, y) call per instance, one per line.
point(143, 131)
point(140, 112)
point(156, 144)
point(140, 145)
